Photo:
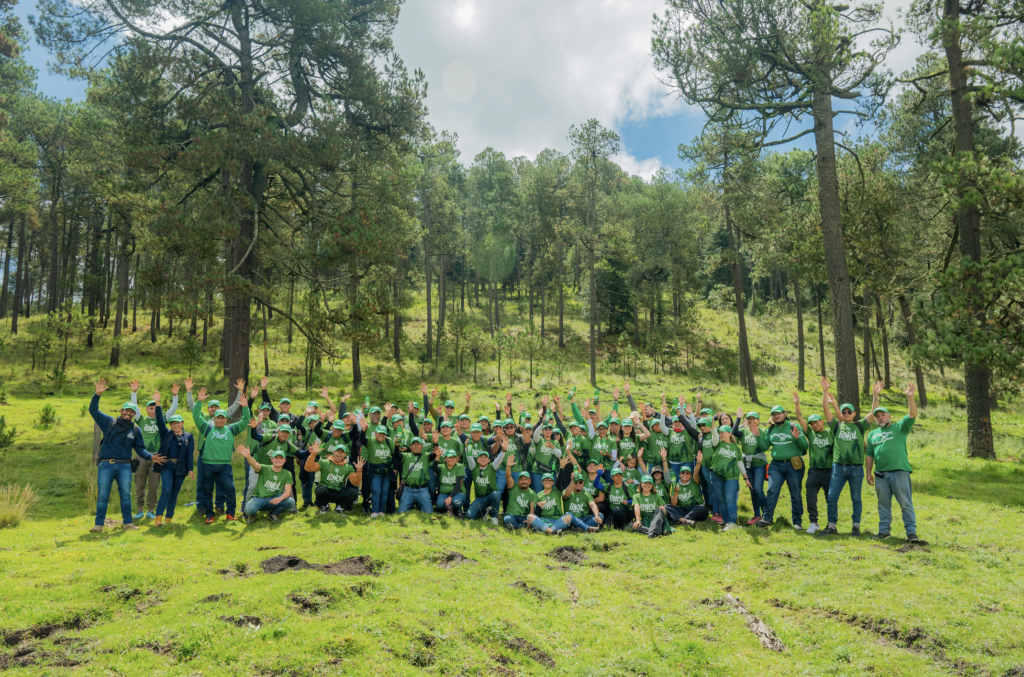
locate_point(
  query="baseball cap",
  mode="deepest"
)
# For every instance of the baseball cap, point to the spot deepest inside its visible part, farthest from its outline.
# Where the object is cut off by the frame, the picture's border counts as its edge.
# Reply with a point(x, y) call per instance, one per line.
point(221, 414)
point(592, 460)
point(338, 425)
point(285, 428)
point(265, 405)
point(847, 405)
point(381, 429)
point(547, 476)
point(285, 400)
point(647, 478)
point(451, 453)
point(813, 417)
point(602, 424)
point(707, 411)
point(464, 417)
point(176, 419)
point(777, 409)
point(416, 440)
point(686, 468)
point(704, 422)
point(396, 418)
point(577, 477)
point(753, 414)
point(482, 452)
point(375, 410)
point(213, 403)
point(724, 429)
point(313, 403)
point(476, 428)
point(446, 424)
point(276, 452)
point(449, 403)
point(880, 409)
point(627, 421)
point(130, 405)
point(151, 403)
point(616, 471)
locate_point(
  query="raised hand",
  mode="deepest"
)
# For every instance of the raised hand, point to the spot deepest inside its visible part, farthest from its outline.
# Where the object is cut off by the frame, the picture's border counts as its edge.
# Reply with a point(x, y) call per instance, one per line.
point(663, 398)
point(796, 397)
point(664, 454)
point(243, 400)
point(586, 406)
point(175, 389)
point(615, 393)
point(688, 411)
point(412, 408)
point(435, 437)
point(625, 386)
point(253, 392)
point(134, 385)
point(832, 399)
point(243, 450)
point(508, 397)
point(359, 464)
point(263, 383)
point(910, 390)
point(101, 386)
point(700, 456)
point(202, 394)
point(189, 383)
point(240, 385)
point(156, 397)
point(824, 385)
point(345, 398)
point(522, 407)
point(877, 389)
point(510, 460)
point(423, 388)
point(469, 397)
point(544, 401)
point(739, 414)
point(323, 393)
point(253, 422)
point(433, 393)
point(315, 447)
point(796, 431)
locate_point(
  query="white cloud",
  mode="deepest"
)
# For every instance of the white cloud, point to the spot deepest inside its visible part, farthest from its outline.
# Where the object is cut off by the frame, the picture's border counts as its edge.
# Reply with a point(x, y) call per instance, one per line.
point(539, 66)
point(634, 167)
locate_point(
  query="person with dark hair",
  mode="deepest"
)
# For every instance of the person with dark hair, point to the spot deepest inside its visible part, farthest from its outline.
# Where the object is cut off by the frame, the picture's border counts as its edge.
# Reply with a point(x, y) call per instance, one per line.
point(687, 502)
point(787, 467)
point(888, 468)
point(274, 487)
point(339, 479)
point(177, 446)
point(847, 454)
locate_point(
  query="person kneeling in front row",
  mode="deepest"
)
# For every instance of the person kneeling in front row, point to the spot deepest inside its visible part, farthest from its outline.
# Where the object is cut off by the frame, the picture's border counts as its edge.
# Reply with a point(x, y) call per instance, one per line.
point(273, 486)
point(687, 504)
point(339, 479)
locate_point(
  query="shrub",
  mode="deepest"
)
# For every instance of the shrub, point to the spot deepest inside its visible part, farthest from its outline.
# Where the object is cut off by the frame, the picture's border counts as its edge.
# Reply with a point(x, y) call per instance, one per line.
point(15, 504)
point(191, 353)
point(48, 416)
point(3, 393)
point(6, 434)
point(59, 380)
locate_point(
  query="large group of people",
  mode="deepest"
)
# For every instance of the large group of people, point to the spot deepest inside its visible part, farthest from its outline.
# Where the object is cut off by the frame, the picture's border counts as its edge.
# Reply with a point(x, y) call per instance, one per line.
point(649, 470)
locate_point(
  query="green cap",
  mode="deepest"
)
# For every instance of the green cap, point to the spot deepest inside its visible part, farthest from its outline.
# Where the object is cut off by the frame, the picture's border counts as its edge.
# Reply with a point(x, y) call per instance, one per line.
point(449, 403)
point(221, 414)
point(312, 419)
point(396, 418)
point(753, 414)
point(686, 468)
point(464, 417)
point(627, 422)
point(427, 421)
point(313, 403)
point(276, 453)
point(508, 422)
point(647, 478)
point(602, 424)
point(880, 409)
point(339, 425)
point(446, 424)
point(176, 419)
point(547, 476)
point(285, 428)
point(704, 422)
point(592, 411)
point(724, 429)
point(777, 409)
point(341, 447)
point(813, 417)
point(547, 426)
point(415, 405)
point(656, 421)
point(265, 405)
point(592, 460)
point(614, 420)
point(285, 400)
point(526, 415)
point(375, 410)
point(616, 471)
point(451, 453)
point(151, 403)
point(707, 411)
point(130, 405)
point(381, 430)
point(483, 418)
point(482, 452)
point(846, 406)
point(577, 477)
point(575, 423)
point(416, 440)
point(476, 428)
point(213, 403)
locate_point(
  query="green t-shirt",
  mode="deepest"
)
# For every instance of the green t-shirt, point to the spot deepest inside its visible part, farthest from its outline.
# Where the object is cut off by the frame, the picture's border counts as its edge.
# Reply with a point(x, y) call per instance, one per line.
point(270, 483)
point(663, 489)
point(578, 503)
point(550, 504)
point(723, 460)
point(335, 476)
point(220, 442)
point(849, 443)
point(272, 443)
point(415, 469)
point(784, 445)
point(330, 443)
point(582, 445)
point(400, 436)
point(628, 446)
point(819, 447)
point(680, 447)
point(519, 501)
point(631, 478)
point(689, 494)
point(471, 448)
point(601, 450)
point(648, 506)
point(378, 453)
point(544, 459)
point(752, 445)
point(618, 495)
point(448, 478)
point(518, 450)
point(150, 433)
point(452, 444)
point(590, 489)
point(654, 444)
point(888, 446)
point(484, 480)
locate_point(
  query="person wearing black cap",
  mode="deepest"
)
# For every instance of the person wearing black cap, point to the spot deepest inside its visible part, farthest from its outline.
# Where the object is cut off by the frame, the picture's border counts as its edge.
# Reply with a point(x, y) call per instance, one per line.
point(339, 479)
point(786, 468)
point(888, 468)
point(848, 454)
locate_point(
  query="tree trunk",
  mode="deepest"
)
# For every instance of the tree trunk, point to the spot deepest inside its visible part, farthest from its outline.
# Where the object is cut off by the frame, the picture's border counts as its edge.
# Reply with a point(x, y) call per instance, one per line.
point(593, 314)
point(426, 263)
point(561, 295)
point(746, 364)
point(866, 342)
point(442, 289)
point(821, 332)
point(798, 299)
point(977, 377)
point(53, 284)
point(266, 359)
point(111, 263)
point(908, 321)
point(880, 322)
point(152, 325)
point(835, 251)
point(353, 287)
point(397, 349)
point(122, 292)
point(19, 285)
point(7, 270)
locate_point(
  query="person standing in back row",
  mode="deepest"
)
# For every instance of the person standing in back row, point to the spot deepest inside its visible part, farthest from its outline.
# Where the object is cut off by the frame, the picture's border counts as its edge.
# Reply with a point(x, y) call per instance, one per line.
point(219, 446)
point(848, 455)
point(787, 467)
point(212, 406)
point(147, 478)
point(888, 467)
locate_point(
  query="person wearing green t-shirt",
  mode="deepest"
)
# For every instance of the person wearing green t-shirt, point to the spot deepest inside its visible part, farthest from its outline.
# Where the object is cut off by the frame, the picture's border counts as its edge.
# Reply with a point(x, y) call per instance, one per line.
point(278, 439)
point(747, 430)
point(549, 503)
point(648, 509)
point(620, 499)
point(603, 448)
point(786, 469)
point(339, 480)
point(727, 467)
point(886, 456)
point(147, 479)
point(581, 510)
point(820, 444)
point(485, 487)
point(451, 487)
point(211, 409)
point(217, 450)
point(379, 453)
point(273, 486)
point(414, 478)
point(687, 500)
point(521, 498)
point(847, 454)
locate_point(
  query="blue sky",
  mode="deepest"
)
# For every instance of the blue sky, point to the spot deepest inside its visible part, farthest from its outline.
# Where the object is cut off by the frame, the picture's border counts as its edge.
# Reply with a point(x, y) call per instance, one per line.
point(515, 75)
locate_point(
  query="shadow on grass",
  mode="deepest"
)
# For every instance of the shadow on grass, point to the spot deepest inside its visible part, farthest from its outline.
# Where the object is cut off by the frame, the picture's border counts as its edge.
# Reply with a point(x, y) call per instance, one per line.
point(1000, 484)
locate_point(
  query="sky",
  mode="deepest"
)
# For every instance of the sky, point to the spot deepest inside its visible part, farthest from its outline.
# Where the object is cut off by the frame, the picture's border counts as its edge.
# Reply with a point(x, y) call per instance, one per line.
point(514, 75)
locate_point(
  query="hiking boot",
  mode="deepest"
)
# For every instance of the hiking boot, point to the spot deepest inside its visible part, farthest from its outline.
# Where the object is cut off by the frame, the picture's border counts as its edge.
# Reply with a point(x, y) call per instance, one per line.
point(881, 537)
point(130, 527)
point(273, 518)
point(158, 521)
point(915, 540)
point(250, 519)
point(829, 530)
point(798, 527)
point(764, 523)
point(229, 518)
point(167, 521)
point(855, 531)
point(325, 509)
point(211, 520)
point(96, 529)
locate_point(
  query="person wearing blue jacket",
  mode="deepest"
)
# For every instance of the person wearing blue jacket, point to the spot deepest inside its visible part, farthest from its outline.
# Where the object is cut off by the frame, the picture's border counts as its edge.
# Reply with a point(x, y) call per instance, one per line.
point(120, 437)
point(177, 446)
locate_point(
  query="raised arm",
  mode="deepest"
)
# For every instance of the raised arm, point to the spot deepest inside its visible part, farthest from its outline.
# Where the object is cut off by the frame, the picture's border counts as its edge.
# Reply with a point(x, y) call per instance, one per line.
point(876, 393)
point(312, 461)
point(135, 399)
point(796, 410)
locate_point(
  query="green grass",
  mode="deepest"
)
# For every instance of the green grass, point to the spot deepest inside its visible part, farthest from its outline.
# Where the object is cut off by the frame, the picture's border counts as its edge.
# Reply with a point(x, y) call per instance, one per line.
point(134, 603)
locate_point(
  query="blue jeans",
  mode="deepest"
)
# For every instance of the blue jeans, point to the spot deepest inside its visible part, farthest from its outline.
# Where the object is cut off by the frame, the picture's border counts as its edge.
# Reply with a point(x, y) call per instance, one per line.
point(478, 508)
point(305, 478)
point(841, 474)
point(709, 492)
point(420, 495)
point(782, 472)
point(887, 485)
point(170, 485)
point(218, 475)
point(106, 474)
point(756, 475)
point(542, 524)
point(433, 480)
point(201, 486)
point(585, 523)
point(458, 500)
point(535, 481)
point(256, 504)
point(515, 522)
point(379, 486)
point(675, 467)
point(500, 479)
point(725, 492)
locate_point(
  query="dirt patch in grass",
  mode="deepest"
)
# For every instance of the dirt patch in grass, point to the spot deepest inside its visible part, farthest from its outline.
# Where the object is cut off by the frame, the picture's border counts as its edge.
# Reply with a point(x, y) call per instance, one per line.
point(574, 555)
point(529, 589)
point(912, 547)
point(41, 631)
point(558, 568)
point(165, 648)
point(765, 635)
point(243, 621)
point(353, 566)
point(240, 570)
point(312, 602)
point(220, 596)
point(122, 592)
point(361, 588)
point(451, 559)
point(423, 657)
point(1015, 672)
point(527, 649)
point(263, 548)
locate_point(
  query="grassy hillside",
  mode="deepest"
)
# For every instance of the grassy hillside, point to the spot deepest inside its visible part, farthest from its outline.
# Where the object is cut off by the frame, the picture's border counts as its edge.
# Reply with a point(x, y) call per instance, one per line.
point(193, 599)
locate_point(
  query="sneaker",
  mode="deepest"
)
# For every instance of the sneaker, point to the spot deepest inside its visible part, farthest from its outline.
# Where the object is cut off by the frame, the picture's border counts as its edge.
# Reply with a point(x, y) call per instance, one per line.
point(273, 518)
point(338, 509)
point(250, 519)
point(729, 527)
point(687, 522)
point(764, 523)
point(829, 531)
point(716, 518)
point(130, 527)
point(813, 528)
point(96, 529)
point(594, 530)
point(753, 521)
point(324, 509)
point(374, 515)
point(915, 540)
point(671, 530)
point(798, 527)
point(211, 520)
point(855, 531)
point(150, 515)
point(881, 537)
point(293, 512)
point(510, 527)
point(229, 518)
point(494, 521)
point(139, 515)
point(158, 522)
point(191, 504)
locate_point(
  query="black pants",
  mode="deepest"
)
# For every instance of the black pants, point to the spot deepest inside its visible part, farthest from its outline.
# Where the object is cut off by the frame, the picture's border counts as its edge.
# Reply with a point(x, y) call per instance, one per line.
point(705, 490)
point(697, 513)
point(564, 477)
point(621, 516)
point(817, 478)
point(345, 497)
